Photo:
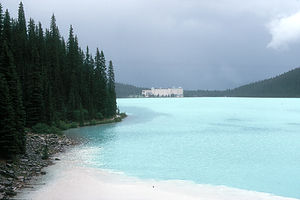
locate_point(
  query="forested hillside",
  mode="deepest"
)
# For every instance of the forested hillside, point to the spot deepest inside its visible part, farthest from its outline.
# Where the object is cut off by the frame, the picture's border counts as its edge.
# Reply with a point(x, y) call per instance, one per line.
point(203, 93)
point(284, 85)
point(45, 79)
point(126, 90)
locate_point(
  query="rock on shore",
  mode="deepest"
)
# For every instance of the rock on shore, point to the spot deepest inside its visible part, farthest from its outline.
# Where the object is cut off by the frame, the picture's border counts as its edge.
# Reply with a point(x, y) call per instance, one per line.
point(17, 173)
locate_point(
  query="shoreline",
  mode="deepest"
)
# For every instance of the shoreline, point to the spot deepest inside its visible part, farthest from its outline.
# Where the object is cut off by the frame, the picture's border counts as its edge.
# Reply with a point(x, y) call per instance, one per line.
point(18, 173)
point(79, 182)
point(117, 118)
point(68, 179)
point(24, 170)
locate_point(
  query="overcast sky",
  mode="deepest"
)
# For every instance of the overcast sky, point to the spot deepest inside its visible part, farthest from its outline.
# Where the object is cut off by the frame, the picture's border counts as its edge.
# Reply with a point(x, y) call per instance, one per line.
point(195, 44)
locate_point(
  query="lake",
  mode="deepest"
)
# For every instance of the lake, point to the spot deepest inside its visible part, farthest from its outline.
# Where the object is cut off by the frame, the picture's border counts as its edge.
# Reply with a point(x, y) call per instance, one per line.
point(246, 143)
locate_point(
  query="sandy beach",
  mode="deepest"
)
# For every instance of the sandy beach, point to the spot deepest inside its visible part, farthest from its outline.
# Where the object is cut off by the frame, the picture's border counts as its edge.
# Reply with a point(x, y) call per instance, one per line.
point(68, 180)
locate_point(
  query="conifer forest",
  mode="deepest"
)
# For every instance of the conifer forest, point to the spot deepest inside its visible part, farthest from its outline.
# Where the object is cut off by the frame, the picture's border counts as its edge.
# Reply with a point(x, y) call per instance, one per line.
point(47, 79)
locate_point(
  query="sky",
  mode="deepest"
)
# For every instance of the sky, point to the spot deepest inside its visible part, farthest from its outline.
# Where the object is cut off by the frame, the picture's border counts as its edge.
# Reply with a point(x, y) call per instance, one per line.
point(194, 44)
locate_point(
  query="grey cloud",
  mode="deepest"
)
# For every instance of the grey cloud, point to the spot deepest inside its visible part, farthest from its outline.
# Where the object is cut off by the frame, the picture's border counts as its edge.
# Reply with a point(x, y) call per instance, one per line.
point(213, 44)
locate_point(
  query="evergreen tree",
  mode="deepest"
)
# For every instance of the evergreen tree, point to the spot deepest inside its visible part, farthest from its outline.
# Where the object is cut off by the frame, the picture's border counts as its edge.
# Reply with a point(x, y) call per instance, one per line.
point(19, 49)
point(54, 80)
point(100, 83)
point(8, 137)
point(112, 106)
point(6, 32)
point(35, 106)
point(53, 48)
point(8, 69)
point(72, 62)
point(89, 80)
point(21, 20)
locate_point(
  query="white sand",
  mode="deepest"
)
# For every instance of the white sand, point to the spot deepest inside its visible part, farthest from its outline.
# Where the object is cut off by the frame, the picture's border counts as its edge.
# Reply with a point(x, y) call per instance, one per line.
point(67, 181)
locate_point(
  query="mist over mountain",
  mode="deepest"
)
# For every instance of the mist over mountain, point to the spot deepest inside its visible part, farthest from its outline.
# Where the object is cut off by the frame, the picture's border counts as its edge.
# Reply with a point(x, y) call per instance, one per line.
point(283, 85)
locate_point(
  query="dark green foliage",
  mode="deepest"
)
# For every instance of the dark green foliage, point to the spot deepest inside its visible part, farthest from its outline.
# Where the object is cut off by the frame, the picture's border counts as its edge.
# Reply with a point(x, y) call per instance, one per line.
point(73, 125)
point(284, 85)
point(112, 104)
point(7, 125)
point(7, 30)
point(203, 93)
point(19, 49)
point(125, 90)
point(93, 122)
point(42, 128)
point(118, 119)
point(99, 116)
point(80, 114)
point(101, 83)
point(62, 125)
point(123, 115)
point(8, 69)
point(55, 82)
point(34, 105)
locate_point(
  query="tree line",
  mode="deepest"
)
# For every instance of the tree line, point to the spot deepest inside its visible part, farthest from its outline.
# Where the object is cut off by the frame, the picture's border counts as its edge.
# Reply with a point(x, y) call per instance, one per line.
point(126, 90)
point(283, 85)
point(45, 79)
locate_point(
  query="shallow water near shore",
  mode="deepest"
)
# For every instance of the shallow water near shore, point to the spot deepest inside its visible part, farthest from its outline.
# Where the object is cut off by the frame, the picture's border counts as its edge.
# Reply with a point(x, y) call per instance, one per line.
point(246, 143)
point(69, 180)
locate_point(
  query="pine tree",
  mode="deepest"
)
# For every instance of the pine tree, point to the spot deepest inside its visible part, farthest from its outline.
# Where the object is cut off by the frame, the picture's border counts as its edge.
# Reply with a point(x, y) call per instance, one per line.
point(8, 137)
point(8, 69)
point(6, 33)
point(112, 106)
point(22, 20)
point(35, 105)
point(54, 80)
point(72, 59)
point(100, 83)
point(19, 49)
point(89, 66)
point(49, 101)
point(63, 79)
point(53, 50)
point(41, 42)
point(103, 68)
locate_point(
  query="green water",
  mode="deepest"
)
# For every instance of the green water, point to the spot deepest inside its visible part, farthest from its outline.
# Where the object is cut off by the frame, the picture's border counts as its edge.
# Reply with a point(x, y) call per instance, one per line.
point(246, 143)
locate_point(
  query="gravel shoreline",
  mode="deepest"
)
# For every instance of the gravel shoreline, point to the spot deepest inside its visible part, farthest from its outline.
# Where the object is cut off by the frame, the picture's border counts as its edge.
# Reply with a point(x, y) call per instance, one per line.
point(17, 173)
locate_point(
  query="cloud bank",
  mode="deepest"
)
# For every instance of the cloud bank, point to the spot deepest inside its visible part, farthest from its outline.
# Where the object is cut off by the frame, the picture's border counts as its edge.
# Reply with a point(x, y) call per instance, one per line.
point(215, 44)
point(285, 31)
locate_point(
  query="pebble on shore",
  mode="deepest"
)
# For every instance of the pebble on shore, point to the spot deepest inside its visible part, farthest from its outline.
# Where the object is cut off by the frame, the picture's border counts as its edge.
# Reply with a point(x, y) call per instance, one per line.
point(17, 173)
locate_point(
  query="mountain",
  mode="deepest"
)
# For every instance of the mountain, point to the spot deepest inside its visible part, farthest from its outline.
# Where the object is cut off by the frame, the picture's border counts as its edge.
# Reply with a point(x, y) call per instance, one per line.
point(126, 90)
point(284, 85)
point(203, 93)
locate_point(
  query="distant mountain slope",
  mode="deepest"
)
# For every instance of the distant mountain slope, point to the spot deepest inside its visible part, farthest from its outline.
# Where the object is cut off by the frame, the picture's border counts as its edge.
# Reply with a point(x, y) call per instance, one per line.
point(203, 93)
point(126, 90)
point(284, 85)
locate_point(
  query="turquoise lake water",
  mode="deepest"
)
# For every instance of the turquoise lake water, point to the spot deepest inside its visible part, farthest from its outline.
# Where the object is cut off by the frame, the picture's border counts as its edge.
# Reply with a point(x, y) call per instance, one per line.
point(246, 143)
